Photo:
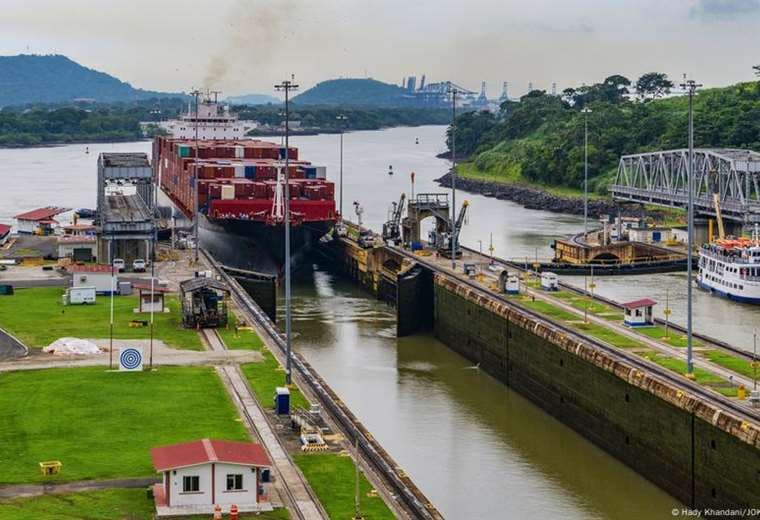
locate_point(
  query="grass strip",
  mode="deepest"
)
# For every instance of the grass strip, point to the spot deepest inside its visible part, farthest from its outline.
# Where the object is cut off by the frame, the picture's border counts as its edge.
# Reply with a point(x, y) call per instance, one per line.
point(332, 477)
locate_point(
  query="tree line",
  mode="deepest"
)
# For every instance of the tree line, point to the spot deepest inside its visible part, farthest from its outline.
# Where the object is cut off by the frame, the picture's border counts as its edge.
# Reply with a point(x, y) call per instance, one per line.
point(541, 138)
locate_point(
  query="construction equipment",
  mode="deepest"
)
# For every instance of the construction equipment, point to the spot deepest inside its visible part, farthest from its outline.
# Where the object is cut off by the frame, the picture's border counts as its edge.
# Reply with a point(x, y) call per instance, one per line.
point(714, 180)
point(392, 228)
point(443, 240)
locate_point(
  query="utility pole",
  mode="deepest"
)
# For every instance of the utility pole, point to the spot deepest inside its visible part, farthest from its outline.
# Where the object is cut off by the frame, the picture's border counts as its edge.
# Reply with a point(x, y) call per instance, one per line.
point(341, 122)
point(692, 87)
point(110, 327)
point(196, 93)
point(452, 235)
point(152, 297)
point(286, 86)
point(586, 111)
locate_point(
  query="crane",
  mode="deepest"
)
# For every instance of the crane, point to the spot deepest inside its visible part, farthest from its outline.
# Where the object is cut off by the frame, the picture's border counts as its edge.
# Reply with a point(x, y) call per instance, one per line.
point(713, 177)
point(444, 245)
point(392, 228)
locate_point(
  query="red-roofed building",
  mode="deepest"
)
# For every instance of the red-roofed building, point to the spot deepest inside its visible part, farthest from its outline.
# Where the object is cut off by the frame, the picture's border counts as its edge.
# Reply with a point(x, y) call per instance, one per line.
point(200, 474)
point(150, 298)
point(638, 313)
point(38, 221)
point(5, 233)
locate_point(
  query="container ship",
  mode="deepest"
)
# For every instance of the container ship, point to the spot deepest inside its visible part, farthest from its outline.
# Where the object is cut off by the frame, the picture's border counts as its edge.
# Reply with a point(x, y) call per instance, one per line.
point(731, 268)
point(241, 189)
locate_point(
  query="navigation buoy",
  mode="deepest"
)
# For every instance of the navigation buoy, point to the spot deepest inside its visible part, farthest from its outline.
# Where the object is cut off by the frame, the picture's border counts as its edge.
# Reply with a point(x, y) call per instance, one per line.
point(86, 149)
point(390, 169)
point(417, 140)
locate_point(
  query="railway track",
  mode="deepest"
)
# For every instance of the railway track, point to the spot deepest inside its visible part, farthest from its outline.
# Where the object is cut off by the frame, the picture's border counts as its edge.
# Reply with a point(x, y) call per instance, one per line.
point(405, 493)
point(304, 507)
point(663, 374)
point(703, 337)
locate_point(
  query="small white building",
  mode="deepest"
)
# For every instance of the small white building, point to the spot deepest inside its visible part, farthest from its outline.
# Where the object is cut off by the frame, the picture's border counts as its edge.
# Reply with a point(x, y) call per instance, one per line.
point(638, 313)
point(201, 474)
point(93, 275)
point(151, 298)
point(649, 235)
point(549, 281)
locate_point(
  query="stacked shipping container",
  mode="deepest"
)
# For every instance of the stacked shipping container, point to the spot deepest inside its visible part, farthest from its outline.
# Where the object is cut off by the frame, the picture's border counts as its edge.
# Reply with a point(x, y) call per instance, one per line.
point(238, 179)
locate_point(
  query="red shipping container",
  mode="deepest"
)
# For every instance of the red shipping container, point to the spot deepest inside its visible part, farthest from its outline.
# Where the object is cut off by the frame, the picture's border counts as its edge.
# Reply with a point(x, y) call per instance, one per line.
point(259, 190)
point(295, 190)
point(215, 191)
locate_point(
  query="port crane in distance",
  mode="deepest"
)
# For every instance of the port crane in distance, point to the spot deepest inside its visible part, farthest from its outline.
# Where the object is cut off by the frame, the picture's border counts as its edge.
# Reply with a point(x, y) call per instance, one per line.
point(392, 228)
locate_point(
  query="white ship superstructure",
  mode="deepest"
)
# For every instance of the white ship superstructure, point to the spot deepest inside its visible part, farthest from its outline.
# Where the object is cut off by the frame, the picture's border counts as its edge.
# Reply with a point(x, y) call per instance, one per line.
point(731, 268)
point(213, 122)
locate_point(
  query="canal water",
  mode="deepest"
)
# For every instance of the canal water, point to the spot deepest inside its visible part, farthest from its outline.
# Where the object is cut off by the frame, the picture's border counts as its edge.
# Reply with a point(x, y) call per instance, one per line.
point(477, 449)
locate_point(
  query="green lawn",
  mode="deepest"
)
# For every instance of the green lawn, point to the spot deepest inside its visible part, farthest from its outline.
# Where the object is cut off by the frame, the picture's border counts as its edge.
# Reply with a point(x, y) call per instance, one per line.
point(701, 376)
point(675, 338)
point(107, 504)
point(607, 335)
point(332, 477)
point(38, 318)
point(740, 366)
point(265, 376)
point(102, 424)
point(242, 340)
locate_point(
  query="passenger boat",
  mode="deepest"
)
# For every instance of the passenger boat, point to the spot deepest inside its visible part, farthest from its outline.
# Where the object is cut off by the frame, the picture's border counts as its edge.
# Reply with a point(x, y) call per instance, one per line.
point(731, 268)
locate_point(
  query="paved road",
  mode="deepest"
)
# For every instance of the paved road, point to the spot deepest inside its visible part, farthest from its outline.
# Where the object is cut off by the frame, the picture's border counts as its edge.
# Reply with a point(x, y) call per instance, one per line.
point(162, 355)
point(31, 490)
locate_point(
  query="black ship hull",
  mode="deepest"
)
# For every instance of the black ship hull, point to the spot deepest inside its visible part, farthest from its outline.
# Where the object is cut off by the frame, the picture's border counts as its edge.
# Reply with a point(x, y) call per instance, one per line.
point(257, 246)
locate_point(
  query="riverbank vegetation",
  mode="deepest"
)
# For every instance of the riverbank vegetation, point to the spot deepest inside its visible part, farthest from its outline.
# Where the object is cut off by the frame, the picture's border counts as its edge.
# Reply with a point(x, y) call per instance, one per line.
point(37, 125)
point(540, 140)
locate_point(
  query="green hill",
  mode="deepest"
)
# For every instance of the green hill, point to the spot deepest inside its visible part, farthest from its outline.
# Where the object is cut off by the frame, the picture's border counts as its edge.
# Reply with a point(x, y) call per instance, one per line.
point(540, 139)
point(354, 92)
point(26, 79)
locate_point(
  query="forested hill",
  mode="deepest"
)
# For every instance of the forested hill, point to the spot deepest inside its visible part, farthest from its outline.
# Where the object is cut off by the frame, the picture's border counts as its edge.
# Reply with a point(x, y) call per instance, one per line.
point(540, 139)
point(26, 79)
point(354, 92)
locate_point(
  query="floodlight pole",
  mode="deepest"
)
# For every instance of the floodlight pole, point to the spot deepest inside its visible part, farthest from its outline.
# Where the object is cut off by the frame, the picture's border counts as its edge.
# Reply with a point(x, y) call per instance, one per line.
point(110, 327)
point(197, 94)
point(453, 90)
point(287, 86)
point(341, 123)
point(692, 87)
point(586, 111)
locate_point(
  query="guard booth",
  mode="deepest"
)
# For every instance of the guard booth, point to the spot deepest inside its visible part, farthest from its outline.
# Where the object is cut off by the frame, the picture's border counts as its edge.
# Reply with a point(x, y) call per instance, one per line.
point(204, 303)
point(639, 313)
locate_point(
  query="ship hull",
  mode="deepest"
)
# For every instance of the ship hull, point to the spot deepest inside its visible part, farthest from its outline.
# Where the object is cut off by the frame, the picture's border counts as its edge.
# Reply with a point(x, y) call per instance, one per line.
point(257, 246)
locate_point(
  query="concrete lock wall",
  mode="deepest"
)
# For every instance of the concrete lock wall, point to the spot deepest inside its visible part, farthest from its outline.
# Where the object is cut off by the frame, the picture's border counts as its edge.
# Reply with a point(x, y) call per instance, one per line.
point(701, 457)
point(414, 301)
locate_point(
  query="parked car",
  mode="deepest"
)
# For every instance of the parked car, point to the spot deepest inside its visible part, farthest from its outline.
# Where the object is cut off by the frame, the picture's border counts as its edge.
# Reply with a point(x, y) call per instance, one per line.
point(119, 264)
point(138, 265)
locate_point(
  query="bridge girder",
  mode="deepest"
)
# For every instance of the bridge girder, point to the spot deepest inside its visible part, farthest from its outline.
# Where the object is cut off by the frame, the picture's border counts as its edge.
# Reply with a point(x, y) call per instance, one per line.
point(661, 178)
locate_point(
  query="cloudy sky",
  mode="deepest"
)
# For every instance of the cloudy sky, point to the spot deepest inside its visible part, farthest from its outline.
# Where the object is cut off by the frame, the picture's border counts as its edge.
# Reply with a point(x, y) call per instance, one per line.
point(242, 46)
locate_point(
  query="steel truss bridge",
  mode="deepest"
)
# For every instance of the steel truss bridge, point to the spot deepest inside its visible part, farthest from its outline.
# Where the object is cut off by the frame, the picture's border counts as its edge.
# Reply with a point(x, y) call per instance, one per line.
point(661, 178)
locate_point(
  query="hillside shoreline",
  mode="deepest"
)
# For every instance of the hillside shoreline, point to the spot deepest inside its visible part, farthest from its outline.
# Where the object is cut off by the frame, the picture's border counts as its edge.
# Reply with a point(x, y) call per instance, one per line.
point(534, 198)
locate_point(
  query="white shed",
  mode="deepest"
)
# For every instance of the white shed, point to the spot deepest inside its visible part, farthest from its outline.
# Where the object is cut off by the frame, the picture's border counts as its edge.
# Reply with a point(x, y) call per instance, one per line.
point(93, 275)
point(201, 474)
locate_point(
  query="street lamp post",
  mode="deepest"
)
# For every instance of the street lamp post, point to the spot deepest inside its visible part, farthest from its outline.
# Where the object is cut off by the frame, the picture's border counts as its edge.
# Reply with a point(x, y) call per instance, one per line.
point(586, 111)
point(341, 122)
point(196, 93)
point(692, 87)
point(287, 86)
point(452, 234)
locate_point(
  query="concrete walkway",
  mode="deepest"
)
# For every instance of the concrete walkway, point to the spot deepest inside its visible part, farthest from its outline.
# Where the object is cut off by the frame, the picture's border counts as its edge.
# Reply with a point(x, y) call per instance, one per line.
point(31, 490)
point(162, 356)
point(296, 487)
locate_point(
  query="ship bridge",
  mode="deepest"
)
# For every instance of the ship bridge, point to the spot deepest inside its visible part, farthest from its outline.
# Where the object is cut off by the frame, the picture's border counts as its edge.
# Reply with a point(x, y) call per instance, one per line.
point(661, 178)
